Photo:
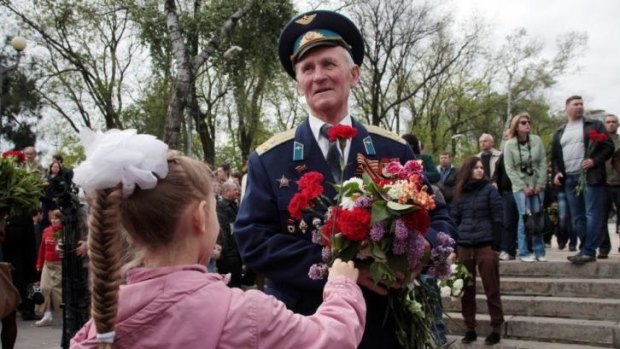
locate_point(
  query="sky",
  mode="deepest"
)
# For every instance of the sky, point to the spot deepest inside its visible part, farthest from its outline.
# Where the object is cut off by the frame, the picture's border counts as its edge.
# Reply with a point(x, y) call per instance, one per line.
point(598, 77)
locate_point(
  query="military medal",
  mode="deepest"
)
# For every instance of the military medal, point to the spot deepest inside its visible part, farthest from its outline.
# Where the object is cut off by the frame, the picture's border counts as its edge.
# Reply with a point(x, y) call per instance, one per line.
point(284, 182)
point(290, 226)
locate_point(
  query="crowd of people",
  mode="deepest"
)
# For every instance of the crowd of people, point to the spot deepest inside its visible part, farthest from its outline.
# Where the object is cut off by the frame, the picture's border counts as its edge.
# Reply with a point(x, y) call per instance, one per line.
point(194, 230)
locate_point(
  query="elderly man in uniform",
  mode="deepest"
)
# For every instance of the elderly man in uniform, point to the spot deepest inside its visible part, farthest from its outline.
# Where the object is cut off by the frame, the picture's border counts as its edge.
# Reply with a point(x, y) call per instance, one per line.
point(322, 51)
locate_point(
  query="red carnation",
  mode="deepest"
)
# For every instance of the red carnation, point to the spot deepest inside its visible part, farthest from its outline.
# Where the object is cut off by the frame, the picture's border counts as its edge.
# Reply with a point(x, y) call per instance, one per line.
point(354, 224)
point(18, 155)
point(299, 203)
point(342, 132)
point(418, 220)
point(595, 136)
point(311, 184)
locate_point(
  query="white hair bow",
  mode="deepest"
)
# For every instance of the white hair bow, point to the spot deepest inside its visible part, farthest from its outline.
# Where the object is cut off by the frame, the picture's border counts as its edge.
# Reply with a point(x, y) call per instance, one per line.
point(121, 156)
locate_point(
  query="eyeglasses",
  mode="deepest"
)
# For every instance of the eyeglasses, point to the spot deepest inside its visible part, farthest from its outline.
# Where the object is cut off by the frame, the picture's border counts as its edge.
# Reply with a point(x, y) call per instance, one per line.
point(524, 122)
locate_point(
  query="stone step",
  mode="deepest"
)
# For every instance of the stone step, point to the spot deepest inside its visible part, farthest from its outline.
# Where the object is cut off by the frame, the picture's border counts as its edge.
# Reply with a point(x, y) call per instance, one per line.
point(586, 332)
point(561, 269)
point(454, 342)
point(561, 287)
point(561, 307)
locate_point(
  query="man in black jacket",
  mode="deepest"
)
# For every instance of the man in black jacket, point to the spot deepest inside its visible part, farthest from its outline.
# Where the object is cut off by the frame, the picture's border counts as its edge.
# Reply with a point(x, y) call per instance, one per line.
point(227, 208)
point(447, 179)
point(572, 152)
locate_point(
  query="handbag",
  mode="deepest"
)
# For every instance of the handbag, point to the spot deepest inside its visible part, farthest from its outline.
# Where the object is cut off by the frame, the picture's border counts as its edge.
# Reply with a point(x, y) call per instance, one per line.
point(9, 297)
point(537, 223)
point(35, 294)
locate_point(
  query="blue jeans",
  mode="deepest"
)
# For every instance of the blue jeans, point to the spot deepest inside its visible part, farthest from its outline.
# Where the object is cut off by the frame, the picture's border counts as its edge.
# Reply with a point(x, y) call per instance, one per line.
point(533, 203)
point(566, 231)
point(586, 212)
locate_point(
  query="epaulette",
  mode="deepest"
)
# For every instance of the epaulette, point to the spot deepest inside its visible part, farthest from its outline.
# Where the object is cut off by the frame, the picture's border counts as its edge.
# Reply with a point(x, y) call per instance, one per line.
point(385, 133)
point(275, 140)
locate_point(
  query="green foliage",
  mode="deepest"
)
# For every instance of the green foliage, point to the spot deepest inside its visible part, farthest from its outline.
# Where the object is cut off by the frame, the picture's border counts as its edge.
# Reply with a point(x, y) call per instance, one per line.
point(20, 188)
point(148, 114)
point(20, 105)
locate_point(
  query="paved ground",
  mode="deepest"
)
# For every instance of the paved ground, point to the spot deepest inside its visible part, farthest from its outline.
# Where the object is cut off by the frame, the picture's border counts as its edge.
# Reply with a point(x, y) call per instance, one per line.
point(31, 337)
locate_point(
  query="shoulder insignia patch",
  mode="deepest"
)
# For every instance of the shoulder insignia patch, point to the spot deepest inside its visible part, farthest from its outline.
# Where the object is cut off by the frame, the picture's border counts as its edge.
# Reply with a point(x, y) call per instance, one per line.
point(275, 141)
point(384, 133)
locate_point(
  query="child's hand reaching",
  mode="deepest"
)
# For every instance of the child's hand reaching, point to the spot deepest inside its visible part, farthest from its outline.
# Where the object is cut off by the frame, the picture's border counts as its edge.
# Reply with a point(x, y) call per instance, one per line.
point(346, 269)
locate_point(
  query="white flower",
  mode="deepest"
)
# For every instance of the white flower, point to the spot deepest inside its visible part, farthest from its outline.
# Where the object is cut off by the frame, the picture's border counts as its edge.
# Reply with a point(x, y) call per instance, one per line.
point(357, 180)
point(458, 284)
point(396, 189)
point(453, 268)
point(348, 202)
point(445, 291)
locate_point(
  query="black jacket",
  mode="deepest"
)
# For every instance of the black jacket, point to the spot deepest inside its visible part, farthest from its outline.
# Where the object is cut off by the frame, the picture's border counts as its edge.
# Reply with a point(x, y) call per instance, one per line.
point(226, 215)
point(478, 214)
point(602, 152)
point(500, 177)
point(447, 186)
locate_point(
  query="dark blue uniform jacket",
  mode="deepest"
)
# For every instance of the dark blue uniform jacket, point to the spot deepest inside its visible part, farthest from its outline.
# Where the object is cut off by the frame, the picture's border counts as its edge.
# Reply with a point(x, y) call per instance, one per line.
point(270, 244)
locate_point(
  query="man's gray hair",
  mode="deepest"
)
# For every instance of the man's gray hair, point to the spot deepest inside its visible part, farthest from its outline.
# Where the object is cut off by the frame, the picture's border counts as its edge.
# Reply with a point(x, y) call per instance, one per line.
point(228, 185)
point(488, 136)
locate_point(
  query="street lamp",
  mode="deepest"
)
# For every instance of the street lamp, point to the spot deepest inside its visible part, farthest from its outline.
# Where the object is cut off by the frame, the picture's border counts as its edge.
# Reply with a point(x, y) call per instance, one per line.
point(19, 44)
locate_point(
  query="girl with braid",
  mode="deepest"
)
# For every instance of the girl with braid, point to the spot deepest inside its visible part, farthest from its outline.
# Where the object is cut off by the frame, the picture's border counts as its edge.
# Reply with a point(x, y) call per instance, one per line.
point(164, 201)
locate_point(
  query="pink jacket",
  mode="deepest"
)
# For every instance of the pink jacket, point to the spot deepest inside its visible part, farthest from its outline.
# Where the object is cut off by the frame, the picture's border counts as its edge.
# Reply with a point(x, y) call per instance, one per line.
point(187, 307)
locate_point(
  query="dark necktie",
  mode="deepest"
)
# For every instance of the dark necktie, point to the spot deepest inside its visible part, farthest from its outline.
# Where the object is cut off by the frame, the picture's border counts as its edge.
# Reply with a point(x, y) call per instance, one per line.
point(333, 155)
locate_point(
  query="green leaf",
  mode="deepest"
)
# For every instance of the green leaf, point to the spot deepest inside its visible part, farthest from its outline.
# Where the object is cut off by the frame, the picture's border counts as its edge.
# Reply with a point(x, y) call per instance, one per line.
point(381, 272)
point(379, 211)
point(349, 251)
point(377, 252)
point(400, 208)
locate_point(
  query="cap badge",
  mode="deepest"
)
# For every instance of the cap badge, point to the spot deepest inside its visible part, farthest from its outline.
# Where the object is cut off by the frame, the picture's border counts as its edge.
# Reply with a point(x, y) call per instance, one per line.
point(311, 36)
point(306, 19)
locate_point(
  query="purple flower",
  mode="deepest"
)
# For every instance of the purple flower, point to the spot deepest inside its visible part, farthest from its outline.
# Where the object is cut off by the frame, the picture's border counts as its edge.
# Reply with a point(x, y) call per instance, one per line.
point(377, 231)
point(415, 249)
point(399, 246)
point(326, 254)
point(440, 266)
point(318, 271)
point(316, 237)
point(363, 202)
point(400, 229)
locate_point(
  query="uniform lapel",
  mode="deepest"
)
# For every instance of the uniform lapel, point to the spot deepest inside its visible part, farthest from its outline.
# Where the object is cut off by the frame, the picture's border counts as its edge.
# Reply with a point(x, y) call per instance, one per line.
point(313, 157)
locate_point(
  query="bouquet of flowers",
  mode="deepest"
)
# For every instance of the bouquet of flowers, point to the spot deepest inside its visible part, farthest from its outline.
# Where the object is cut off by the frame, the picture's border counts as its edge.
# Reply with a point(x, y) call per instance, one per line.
point(380, 221)
point(454, 287)
point(20, 187)
point(595, 137)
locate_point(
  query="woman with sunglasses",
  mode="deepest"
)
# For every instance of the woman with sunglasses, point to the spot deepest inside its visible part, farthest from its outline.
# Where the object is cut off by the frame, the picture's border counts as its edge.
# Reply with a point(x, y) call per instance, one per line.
point(525, 163)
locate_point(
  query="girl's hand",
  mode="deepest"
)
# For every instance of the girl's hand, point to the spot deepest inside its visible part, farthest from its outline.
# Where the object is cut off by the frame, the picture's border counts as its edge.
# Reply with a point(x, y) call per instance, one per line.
point(346, 269)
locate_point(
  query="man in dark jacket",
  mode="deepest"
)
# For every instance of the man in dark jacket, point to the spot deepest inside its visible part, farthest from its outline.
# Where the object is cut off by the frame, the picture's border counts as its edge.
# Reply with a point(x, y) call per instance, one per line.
point(447, 177)
point(230, 261)
point(571, 154)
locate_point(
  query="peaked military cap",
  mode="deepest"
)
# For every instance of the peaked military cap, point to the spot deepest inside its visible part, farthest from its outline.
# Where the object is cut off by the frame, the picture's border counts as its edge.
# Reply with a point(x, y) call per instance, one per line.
point(318, 28)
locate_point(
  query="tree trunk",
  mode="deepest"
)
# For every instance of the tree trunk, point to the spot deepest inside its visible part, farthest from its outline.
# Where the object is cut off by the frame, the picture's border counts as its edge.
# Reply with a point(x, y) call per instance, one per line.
point(184, 77)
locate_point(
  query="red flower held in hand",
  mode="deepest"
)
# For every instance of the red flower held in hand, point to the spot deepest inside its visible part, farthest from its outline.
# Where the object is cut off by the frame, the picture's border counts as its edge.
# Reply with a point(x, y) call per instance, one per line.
point(341, 132)
point(595, 136)
point(354, 224)
point(418, 220)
